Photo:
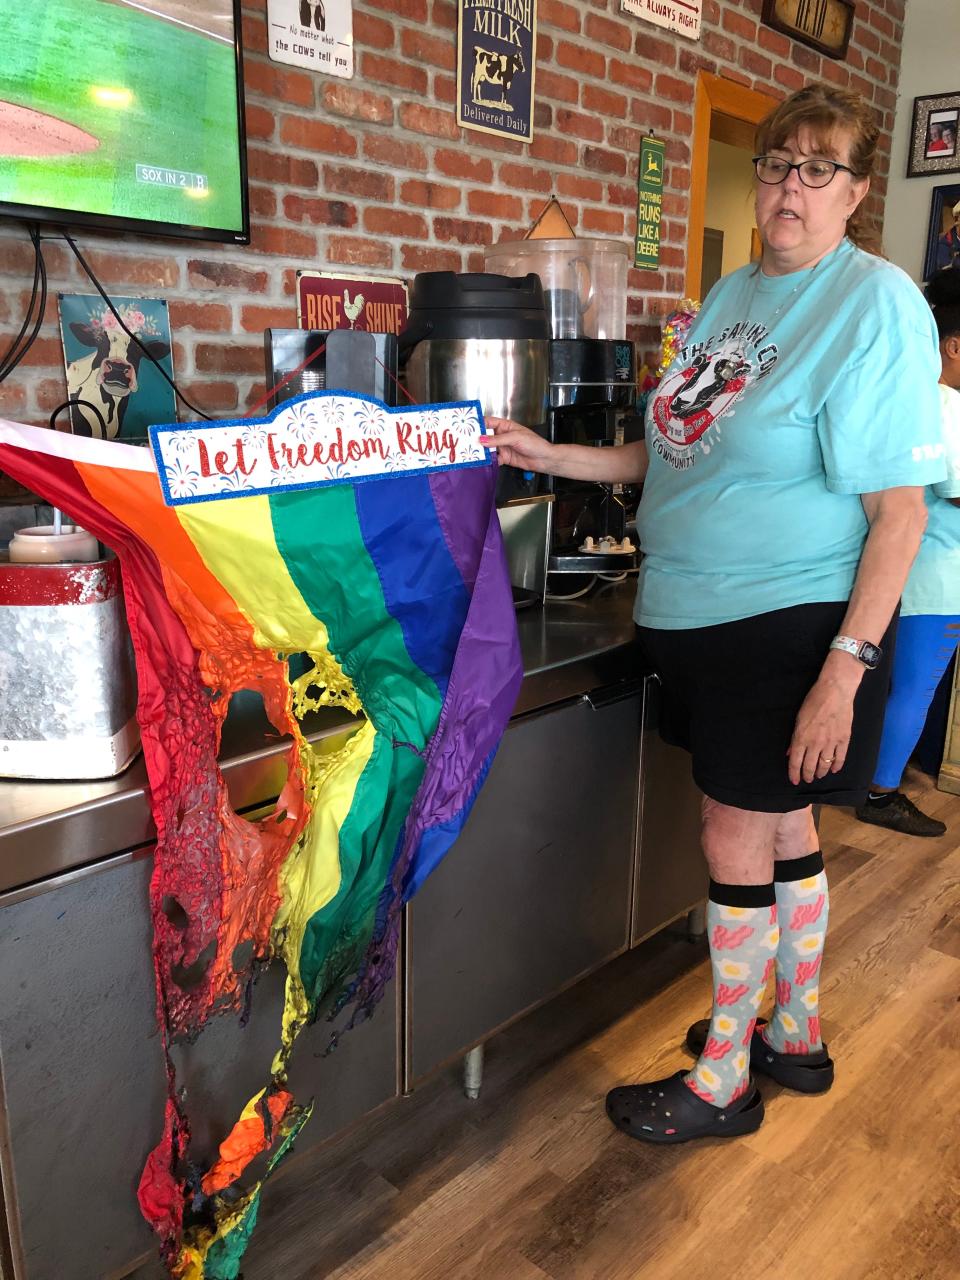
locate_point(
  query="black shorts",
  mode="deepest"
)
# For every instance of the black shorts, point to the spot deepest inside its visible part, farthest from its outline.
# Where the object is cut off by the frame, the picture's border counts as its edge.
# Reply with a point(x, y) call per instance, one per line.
point(731, 694)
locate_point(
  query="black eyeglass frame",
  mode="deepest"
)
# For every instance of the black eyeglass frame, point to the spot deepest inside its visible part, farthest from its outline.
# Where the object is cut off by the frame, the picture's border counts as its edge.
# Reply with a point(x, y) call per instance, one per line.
point(799, 166)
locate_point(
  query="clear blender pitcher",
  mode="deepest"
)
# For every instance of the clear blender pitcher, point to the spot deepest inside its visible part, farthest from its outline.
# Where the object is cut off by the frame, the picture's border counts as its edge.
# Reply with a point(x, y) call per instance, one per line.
point(584, 282)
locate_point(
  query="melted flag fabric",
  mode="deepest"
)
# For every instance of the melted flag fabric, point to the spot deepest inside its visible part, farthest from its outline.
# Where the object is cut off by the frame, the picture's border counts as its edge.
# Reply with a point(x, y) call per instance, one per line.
point(397, 592)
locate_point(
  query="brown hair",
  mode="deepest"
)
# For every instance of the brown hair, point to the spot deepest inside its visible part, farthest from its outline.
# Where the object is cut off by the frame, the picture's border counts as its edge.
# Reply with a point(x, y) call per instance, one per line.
point(823, 109)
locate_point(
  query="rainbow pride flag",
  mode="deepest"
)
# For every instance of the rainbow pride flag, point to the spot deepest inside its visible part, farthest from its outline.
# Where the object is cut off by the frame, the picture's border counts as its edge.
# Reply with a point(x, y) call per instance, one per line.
point(398, 593)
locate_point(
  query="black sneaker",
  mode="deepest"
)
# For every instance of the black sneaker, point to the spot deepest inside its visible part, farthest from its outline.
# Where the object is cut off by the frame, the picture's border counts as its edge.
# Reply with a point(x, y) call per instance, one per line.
point(899, 813)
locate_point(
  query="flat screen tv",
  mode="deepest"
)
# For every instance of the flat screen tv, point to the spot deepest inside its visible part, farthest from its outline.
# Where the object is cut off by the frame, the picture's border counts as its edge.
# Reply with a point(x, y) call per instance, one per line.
point(124, 115)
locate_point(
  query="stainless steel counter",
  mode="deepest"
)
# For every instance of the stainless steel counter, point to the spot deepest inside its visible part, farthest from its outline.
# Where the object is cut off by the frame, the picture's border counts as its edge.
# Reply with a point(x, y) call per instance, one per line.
point(585, 822)
point(49, 828)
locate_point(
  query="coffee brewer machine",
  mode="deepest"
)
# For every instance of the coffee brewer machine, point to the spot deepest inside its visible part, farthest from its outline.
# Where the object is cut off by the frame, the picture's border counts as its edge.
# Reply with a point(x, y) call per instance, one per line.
point(592, 396)
point(591, 390)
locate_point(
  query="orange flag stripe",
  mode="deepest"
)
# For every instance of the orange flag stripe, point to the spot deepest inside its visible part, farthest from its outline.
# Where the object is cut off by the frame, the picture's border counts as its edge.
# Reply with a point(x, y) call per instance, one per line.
point(135, 497)
point(246, 1140)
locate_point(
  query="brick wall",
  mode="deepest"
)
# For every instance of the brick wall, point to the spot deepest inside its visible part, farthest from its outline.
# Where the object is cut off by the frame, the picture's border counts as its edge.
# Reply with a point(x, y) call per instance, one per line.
point(373, 173)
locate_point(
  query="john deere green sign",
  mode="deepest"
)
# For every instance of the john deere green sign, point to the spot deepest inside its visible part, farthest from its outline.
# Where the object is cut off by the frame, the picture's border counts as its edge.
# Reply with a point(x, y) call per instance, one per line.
point(649, 203)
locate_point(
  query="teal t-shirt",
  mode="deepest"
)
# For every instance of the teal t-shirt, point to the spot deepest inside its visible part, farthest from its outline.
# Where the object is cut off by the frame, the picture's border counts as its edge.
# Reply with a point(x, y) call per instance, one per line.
point(792, 396)
point(934, 582)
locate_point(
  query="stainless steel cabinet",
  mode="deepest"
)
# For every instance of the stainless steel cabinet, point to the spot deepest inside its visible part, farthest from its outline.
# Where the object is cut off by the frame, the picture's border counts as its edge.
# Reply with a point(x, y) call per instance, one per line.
point(671, 871)
point(82, 1072)
point(543, 886)
point(537, 890)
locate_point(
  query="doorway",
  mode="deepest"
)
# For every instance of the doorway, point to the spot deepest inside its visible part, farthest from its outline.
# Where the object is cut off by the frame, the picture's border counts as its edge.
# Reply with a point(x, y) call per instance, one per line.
point(722, 232)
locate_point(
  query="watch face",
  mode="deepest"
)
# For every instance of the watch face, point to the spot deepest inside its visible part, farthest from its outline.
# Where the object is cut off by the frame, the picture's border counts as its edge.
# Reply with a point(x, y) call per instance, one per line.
point(870, 655)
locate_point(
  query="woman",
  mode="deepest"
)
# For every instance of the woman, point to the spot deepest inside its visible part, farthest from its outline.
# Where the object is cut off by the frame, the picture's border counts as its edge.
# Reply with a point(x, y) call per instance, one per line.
point(779, 519)
point(930, 613)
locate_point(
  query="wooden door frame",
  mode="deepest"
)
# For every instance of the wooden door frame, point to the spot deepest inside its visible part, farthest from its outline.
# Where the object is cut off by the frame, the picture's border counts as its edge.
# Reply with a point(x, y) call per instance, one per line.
point(713, 93)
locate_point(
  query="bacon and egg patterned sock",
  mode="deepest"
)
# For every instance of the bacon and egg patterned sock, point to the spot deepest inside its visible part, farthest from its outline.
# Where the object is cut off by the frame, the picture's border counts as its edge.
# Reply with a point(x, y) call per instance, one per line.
point(803, 904)
point(743, 934)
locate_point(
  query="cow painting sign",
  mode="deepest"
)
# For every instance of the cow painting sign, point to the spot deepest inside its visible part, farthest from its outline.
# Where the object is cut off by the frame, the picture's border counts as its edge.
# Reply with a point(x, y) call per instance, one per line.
point(114, 389)
point(496, 54)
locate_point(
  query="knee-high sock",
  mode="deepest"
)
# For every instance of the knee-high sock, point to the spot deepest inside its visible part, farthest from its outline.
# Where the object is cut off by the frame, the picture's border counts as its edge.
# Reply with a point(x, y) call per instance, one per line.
point(743, 934)
point(803, 904)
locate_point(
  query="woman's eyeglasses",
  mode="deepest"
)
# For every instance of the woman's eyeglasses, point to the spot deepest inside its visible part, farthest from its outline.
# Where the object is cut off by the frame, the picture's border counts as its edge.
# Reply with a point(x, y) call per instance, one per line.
point(812, 173)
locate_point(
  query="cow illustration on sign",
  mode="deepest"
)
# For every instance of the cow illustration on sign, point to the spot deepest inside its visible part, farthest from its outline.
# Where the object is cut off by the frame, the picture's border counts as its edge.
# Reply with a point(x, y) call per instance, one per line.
point(113, 388)
point(496, 66)
point(313, 13)
point(497, 69)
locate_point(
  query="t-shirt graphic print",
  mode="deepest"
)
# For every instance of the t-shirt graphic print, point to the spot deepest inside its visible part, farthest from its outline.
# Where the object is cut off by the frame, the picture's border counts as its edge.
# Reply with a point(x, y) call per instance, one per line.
point(702, 385)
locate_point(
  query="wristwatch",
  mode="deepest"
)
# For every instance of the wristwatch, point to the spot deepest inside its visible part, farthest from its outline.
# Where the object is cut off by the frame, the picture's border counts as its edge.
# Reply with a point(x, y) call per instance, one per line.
point(865, 652)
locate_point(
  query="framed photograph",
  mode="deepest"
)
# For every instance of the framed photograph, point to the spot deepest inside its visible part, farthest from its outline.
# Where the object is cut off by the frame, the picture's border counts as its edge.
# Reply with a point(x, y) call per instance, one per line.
point(933, 138)
point(943, 233)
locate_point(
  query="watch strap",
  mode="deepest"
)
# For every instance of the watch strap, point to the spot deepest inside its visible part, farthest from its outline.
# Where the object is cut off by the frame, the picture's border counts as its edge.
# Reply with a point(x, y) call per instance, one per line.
point(847, 644)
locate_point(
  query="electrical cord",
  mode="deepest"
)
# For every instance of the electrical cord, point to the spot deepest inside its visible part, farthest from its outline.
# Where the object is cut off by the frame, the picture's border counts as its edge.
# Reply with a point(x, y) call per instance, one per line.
point(10, 359)
point(130, 334)
point(576, 594)
point(68, 404)
point(15, 353)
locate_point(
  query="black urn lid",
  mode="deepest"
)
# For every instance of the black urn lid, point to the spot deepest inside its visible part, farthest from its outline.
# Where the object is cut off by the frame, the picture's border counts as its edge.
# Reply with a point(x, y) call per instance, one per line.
point(449, 304)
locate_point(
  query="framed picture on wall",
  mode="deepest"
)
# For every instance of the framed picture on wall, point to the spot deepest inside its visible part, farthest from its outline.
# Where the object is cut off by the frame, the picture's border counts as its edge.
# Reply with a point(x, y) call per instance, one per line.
point(943, 232)
point(824, 26)
point(933, 137)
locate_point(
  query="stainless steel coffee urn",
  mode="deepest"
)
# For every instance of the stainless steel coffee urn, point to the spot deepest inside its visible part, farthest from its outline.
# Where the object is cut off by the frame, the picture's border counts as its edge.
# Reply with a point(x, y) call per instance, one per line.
point(481, 337)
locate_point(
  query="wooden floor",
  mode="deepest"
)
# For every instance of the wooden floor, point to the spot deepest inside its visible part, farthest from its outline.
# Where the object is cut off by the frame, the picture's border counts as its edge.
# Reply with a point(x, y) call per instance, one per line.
point(532, 1183)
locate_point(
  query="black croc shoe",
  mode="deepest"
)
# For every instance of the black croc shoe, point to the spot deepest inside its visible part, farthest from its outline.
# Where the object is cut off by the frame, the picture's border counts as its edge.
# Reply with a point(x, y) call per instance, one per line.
point(804, 1072)
point(901, 814)
point(667, 1111)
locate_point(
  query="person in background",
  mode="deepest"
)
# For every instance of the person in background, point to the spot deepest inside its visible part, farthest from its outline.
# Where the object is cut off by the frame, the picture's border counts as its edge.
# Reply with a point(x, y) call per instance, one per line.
point(779, 518)
point(948, 245)
point(930, 612)
point(935, 142)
